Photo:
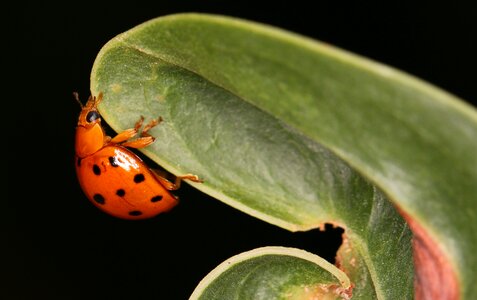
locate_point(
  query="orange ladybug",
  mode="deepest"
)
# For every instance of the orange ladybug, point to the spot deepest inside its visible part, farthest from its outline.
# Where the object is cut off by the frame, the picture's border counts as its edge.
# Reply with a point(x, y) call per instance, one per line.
point(114, 178)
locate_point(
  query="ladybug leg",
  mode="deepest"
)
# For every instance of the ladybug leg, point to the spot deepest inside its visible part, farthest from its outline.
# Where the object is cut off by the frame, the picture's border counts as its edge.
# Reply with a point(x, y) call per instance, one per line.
point(150, 125)
point(163, 178)
point(139, 142)
point(146, 139)
point(190, 177)
point(128, 133)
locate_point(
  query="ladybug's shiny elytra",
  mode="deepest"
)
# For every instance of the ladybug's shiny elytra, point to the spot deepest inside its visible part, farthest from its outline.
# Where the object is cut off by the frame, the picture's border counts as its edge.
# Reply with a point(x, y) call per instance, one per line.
point(115, 179)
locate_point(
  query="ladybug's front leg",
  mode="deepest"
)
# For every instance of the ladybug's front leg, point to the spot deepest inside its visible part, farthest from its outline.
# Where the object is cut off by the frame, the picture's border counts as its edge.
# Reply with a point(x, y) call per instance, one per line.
point(141, 142)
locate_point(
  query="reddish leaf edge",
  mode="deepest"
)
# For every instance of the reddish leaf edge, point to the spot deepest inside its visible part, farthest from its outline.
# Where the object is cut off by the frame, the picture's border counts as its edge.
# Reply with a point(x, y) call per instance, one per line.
point(434, 276)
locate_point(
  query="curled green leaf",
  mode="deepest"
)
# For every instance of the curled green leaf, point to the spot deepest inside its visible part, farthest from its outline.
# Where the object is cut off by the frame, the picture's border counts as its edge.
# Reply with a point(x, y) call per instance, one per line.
point(274, 273)
point(299, 134)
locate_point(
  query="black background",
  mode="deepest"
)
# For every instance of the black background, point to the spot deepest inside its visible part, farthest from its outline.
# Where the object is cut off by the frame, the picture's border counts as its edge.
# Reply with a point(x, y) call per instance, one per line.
point(58, 246)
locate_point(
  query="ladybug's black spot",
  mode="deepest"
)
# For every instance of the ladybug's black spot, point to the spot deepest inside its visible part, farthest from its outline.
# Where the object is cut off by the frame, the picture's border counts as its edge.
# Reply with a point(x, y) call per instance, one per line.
point(78, 162)
point(135, 213)
point(120, 192)
point(139, 178)
point(156, 198)
point(96, 170)
point(113, 161)
point(99, 199)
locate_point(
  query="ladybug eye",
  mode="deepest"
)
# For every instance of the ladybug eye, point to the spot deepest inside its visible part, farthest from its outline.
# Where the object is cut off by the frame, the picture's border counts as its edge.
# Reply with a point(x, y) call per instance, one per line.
point(92, 116)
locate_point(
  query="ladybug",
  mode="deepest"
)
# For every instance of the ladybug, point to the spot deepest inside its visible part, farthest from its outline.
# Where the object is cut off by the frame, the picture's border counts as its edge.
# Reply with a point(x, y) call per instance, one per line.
point(114, 178)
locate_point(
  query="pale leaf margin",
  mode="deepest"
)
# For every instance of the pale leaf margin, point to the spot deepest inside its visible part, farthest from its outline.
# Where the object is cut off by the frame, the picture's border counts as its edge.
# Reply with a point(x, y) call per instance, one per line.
point(270, 250)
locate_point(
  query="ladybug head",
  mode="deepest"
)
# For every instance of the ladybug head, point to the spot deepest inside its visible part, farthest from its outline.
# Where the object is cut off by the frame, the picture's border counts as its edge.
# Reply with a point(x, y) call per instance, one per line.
point(89, 115)
point(90, 136)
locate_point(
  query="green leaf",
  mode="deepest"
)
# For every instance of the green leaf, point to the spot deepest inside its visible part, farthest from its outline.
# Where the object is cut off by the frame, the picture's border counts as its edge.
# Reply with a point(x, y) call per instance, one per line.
point(273, 121)
point(273, 273)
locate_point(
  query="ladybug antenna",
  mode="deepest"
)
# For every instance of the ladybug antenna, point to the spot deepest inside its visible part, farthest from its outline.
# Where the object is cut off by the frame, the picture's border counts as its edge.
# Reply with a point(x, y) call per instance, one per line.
point(76, 96)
